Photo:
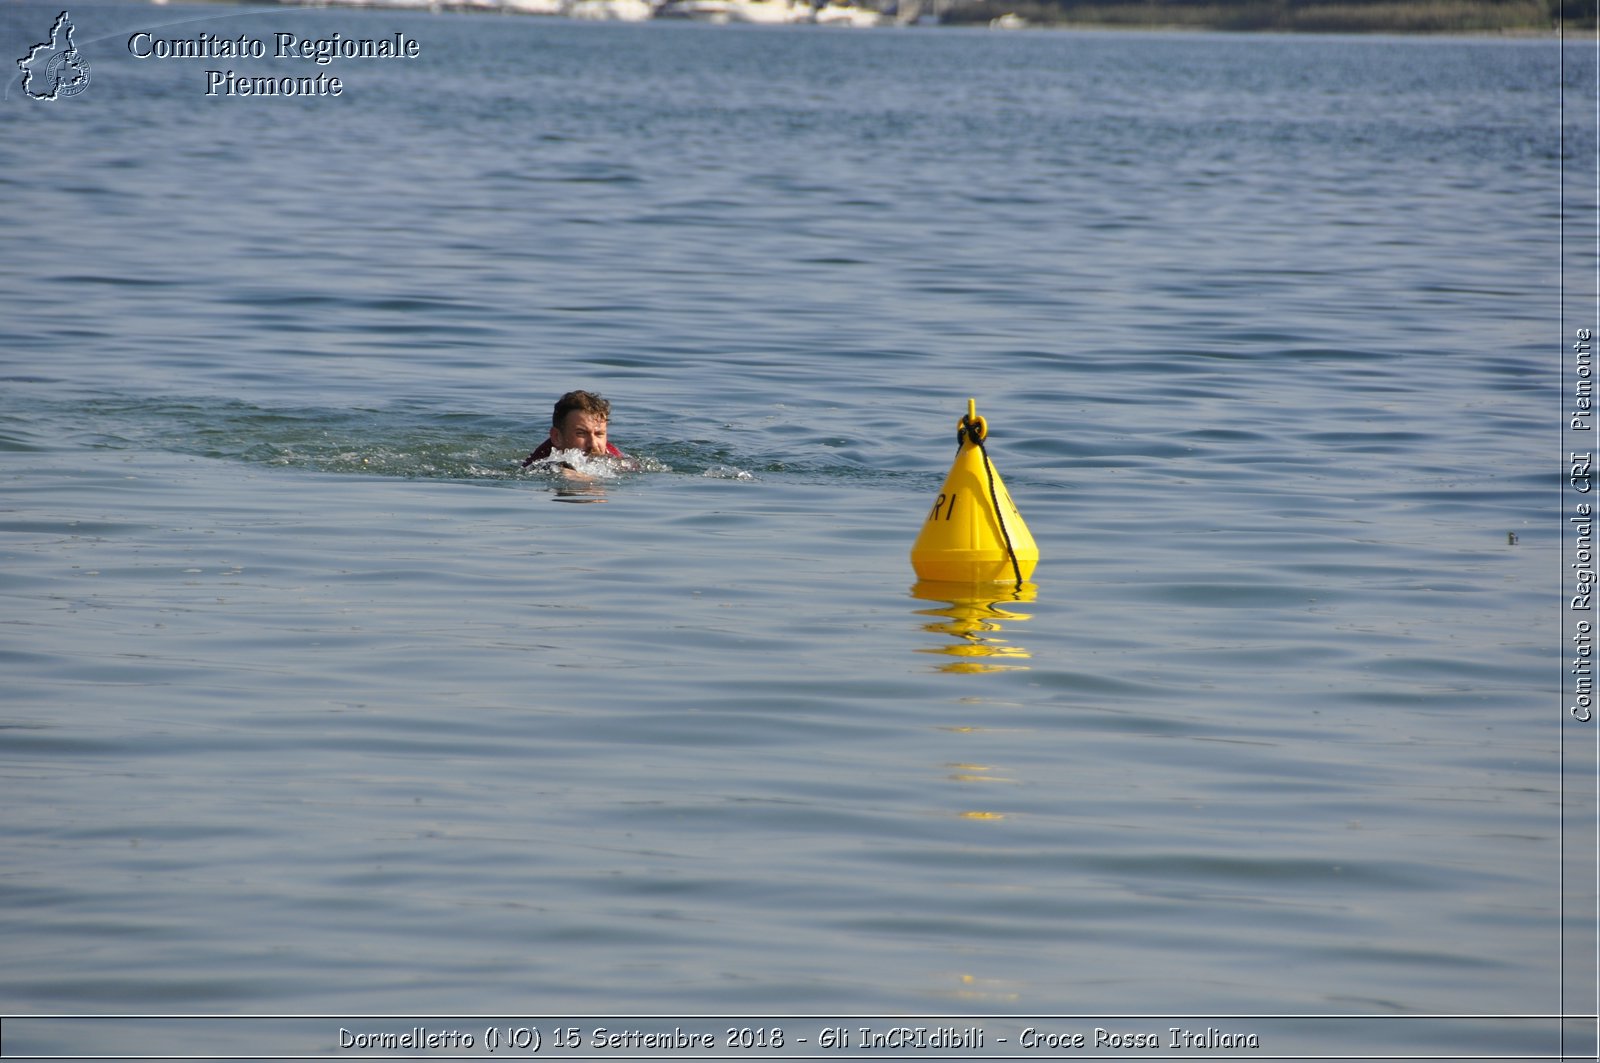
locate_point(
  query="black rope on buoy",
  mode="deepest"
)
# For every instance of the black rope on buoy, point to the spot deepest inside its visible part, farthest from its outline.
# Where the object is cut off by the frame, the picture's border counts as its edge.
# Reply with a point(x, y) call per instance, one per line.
point(971, 430)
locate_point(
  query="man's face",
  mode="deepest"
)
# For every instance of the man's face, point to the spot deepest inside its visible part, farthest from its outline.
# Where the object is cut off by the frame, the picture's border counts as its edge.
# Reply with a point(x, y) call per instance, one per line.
point(580, 431)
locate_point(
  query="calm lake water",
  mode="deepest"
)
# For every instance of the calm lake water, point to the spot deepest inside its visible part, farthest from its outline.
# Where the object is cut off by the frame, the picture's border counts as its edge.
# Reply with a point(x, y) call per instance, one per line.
point(316, 704)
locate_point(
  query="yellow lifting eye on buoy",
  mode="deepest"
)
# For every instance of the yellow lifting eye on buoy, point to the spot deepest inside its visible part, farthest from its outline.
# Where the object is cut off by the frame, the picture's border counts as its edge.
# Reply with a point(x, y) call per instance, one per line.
point(974, 533)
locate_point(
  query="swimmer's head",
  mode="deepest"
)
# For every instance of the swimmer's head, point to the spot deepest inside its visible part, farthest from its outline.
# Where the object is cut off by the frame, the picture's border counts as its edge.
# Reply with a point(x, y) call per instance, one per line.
point(579, 422)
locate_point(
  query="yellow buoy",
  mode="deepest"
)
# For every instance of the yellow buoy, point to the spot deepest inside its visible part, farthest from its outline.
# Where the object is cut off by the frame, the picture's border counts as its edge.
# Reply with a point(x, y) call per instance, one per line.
point(974, 533)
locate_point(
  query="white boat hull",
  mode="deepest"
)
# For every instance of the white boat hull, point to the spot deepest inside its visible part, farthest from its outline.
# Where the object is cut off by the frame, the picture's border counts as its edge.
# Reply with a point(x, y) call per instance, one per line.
point(610, 10)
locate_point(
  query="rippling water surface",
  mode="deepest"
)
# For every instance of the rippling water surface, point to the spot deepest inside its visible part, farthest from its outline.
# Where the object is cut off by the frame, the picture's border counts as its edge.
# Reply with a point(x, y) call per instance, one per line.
point(316, 703)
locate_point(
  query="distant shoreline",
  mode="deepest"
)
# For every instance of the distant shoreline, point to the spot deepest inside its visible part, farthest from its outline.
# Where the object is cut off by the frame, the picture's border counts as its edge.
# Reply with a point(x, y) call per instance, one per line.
point(1467, 18)
point(1526, 18)
point(1515, 32)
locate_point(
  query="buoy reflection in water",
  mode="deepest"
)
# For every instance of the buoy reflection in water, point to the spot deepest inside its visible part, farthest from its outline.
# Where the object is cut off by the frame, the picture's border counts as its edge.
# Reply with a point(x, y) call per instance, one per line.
point(973, 616)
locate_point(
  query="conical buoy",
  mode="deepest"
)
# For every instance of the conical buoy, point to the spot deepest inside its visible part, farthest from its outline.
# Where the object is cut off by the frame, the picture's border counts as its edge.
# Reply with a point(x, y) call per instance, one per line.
point(974, 533)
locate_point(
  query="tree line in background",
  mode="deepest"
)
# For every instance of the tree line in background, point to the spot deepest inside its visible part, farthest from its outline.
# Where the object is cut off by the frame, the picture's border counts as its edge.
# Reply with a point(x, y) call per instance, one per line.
point(1292, 16)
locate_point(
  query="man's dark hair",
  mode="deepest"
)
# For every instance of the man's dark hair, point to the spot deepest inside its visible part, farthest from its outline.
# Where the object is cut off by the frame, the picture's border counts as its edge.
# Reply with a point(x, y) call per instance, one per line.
point(587, 401)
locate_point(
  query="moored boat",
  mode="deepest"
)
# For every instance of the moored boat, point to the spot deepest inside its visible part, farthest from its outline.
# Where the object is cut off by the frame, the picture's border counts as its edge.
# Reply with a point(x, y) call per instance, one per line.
point(769, 12)
point(610, 10)
point(844, 13)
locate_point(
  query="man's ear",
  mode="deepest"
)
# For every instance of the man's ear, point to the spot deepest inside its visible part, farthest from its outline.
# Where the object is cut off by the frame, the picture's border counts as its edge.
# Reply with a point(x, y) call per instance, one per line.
point(555, 436)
